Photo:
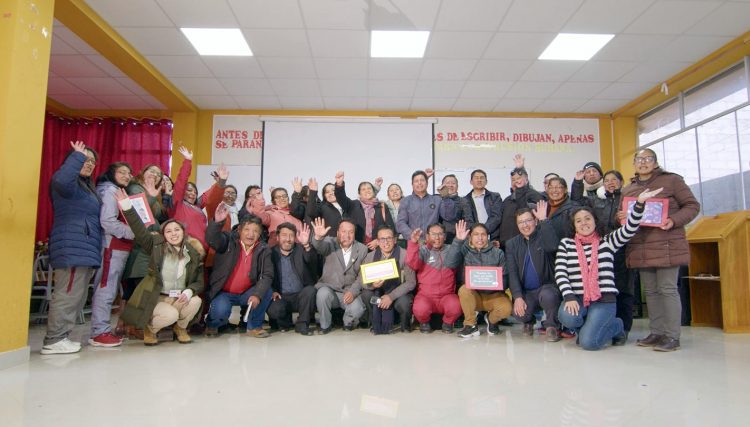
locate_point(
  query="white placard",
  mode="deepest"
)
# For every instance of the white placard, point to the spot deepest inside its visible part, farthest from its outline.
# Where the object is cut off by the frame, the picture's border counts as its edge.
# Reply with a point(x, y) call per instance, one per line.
point(237, 140)
point(562, 146)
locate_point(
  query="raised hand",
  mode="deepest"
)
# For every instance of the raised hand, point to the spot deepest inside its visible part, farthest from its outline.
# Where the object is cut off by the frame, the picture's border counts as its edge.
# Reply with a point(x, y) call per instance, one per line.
point(312, 184)
point(579, 175)
point(340, 178)
point(379, 182)
point(187, 154)
point(519, 160)
point(149, 184)
point(303, 234)
point(429, 172)
point(222, 172)
point(319, 228)
point(373, 244)
point(461, 230)
point(540, 212)
point(120, 194)
point(648, 194)
point(297, 184)
point(415, 235)
point(78, 146)
point(221, 212)
point(166, 186)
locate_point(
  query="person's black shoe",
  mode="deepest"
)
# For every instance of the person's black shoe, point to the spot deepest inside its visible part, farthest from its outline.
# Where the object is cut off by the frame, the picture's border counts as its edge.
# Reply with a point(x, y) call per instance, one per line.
point(325, 331)
point(620, 340)
point(651, 340)
point(406, 329)
point(528, 329)
point(492, 328)
point(469, 331)
point(303, 329)
point(667, 344)
point(242, 327)
point(348, 328)
point(211, 332)
point(425, 328)
point(447, 328)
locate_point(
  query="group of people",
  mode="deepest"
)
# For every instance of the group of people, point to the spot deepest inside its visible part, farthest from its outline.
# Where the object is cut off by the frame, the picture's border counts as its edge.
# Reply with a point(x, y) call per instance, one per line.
point(570, 254)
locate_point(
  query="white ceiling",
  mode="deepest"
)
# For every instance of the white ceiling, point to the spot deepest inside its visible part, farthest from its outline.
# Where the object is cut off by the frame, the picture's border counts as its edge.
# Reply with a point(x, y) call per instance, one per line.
point(481, 56)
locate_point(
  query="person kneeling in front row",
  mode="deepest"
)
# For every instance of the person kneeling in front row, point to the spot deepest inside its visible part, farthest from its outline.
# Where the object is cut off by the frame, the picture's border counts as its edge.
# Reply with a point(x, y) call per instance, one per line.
point(168, 293)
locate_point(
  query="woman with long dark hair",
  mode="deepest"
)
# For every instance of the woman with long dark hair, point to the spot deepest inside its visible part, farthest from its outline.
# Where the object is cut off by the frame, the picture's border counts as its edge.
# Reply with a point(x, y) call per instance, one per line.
point(584, 272)
point(168, 294)
point(117, 242)
point(74, 245)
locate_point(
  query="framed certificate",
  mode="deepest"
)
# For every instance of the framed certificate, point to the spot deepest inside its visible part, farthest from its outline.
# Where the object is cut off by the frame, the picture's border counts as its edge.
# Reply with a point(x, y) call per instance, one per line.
point(655, 214)
point(140, 204)
point(484, 278)
point(380, 270)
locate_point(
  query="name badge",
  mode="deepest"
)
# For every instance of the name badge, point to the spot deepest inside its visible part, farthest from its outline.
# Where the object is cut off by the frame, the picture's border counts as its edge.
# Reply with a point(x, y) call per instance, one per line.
point(175, 293)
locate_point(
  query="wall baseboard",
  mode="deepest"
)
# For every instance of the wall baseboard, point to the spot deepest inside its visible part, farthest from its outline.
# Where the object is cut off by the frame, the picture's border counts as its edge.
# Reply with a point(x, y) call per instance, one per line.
point(16, 357)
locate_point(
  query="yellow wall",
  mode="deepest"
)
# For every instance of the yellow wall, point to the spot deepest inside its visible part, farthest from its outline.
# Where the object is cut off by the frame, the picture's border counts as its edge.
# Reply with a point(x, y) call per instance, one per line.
point(25, 39)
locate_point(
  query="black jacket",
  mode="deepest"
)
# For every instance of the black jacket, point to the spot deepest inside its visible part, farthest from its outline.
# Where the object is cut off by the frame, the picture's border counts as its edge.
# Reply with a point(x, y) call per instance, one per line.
point(543, 246)
point(493, 203)
point(561, 221)
point(353, 211)
point(227, 247)
point(525, 197)
point(305, 264)
point(605, 208)
point(322, 209)
point(298, 208)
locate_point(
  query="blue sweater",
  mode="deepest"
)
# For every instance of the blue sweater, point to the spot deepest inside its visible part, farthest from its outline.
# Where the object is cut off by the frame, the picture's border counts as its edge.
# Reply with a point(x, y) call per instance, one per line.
point(76, 237)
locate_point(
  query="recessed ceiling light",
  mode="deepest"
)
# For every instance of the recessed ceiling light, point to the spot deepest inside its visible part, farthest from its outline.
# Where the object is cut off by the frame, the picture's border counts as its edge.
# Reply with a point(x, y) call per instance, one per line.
point(575, 47)
point(398, 44)
point(218, 41)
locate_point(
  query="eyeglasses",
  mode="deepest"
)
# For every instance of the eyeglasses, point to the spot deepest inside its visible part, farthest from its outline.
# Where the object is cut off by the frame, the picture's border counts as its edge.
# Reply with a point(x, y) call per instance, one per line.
point(555, 187)
point(230, 193)
point(436, 235)
point(647, 159)
point(90, 161)
point(280, 196)
point(385, 239)
point(525, 221)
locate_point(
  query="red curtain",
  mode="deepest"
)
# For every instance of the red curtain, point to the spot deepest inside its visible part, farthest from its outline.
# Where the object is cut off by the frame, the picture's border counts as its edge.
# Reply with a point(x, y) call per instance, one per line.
point(138, 142)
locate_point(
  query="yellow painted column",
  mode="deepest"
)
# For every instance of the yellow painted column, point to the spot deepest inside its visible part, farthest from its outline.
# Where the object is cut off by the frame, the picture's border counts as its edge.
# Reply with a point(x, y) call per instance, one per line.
point(184, 132)
point(606, 144)
point(25, 41)
point(625, 144)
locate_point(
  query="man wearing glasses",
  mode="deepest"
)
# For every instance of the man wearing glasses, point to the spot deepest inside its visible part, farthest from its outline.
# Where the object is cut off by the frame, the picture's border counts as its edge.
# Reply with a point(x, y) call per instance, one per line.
point(387, 294)
point(531, 276)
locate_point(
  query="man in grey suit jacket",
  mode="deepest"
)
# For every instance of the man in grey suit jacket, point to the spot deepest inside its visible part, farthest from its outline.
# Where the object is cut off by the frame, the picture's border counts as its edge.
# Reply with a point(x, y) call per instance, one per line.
point(343, 256)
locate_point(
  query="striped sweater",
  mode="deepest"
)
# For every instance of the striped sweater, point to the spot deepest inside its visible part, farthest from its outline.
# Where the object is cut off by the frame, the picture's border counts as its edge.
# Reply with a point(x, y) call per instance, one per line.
point(568, 271)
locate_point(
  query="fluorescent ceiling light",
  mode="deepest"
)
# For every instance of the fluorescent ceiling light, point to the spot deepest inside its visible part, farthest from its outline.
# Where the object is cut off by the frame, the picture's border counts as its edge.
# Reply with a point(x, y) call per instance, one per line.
point(575, 47)
point(218, 41)
point(398, 44)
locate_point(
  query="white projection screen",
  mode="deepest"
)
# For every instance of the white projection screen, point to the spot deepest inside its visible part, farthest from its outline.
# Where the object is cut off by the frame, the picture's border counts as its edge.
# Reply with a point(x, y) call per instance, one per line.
point(363, 148)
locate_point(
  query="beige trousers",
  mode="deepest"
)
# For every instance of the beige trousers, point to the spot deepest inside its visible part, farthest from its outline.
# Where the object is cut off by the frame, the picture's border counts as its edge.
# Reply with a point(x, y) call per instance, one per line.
point(168, 311)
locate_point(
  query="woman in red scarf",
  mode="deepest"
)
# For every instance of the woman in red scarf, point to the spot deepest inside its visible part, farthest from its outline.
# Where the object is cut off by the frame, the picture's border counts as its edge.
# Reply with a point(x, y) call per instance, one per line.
point(587, 282)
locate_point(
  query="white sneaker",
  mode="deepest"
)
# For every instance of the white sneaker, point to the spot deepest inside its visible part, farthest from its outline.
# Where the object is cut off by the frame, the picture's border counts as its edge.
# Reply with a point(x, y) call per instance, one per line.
point(64, 346)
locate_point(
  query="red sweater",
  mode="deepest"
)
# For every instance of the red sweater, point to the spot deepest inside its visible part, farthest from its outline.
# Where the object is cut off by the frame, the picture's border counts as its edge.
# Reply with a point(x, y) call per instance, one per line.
point(192, 216)
point(239, 280)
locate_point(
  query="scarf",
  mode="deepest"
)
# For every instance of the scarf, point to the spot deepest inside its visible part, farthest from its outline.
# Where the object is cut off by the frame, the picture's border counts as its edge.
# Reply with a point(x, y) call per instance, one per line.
point(554, 206)
point(382, 320)
point(592, 187)
point(368, 206)
point(589, 271)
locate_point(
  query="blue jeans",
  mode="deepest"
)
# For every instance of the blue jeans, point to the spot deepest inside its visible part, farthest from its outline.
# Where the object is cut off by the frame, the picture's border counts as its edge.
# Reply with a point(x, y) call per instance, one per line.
point(596, 324)
point(221, 308)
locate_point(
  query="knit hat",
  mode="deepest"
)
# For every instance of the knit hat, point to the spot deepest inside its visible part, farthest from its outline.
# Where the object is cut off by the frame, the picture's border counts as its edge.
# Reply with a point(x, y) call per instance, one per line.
point(595, 166)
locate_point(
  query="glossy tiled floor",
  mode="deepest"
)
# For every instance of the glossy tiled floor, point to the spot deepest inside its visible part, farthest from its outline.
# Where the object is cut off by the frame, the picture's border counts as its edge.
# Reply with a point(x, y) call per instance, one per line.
point(353, 378)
